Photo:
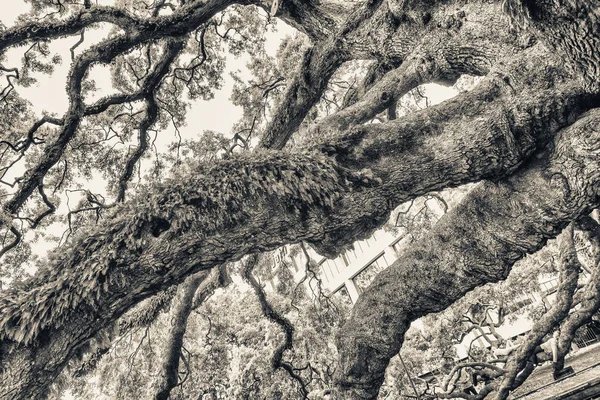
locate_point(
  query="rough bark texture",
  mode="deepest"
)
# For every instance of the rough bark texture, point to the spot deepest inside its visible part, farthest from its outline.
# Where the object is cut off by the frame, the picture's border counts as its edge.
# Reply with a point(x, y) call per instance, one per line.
point(180, 311)
point(271, 200)
point(344, 186)
point(318, 66)
point(569, 27)
point(475, 244)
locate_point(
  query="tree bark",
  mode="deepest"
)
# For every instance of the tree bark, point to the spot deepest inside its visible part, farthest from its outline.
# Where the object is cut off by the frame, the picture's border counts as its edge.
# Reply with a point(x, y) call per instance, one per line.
point(477, 243)
point(253, 204)
point(570, 28)
point(589, 296)
point(569, 268)
point(180, 312)
point(310, 81)
point(259, 202)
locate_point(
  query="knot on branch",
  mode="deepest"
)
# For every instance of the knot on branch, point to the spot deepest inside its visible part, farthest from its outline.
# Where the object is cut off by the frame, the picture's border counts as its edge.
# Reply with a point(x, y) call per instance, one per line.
point(342, 147)
point(158, 226)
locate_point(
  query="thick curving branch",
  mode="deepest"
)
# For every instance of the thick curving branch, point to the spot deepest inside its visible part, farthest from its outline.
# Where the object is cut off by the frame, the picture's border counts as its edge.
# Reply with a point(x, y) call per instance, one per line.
point(277, 318)
point(505, 114)
point(416, 70)
point(310, 81)
point(183, 20)
point(41, 30)
point(441, 55)
point(239, 206)
point(477, 243)
point(258, 202)
point(438, 54)
point(588, 297)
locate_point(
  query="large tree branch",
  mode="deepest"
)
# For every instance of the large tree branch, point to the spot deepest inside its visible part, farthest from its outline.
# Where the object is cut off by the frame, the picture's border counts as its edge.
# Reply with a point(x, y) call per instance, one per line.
point(55, 29)
point(256, 203)
point(588, 297)
point(569, 28)
point(477, 243)
point(502, 111)
point(423, 66)
point(316, 19)
point(302, 93)
point(310, 81)
point(183, 20)
point(439, 55)
point(277, 318)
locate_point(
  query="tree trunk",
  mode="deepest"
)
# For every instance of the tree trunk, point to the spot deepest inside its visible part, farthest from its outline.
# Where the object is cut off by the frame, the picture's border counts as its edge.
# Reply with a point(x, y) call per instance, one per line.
point(260, 202)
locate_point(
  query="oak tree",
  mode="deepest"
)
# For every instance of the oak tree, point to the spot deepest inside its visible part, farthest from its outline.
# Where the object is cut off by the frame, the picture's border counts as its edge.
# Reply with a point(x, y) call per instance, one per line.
point(527, 132)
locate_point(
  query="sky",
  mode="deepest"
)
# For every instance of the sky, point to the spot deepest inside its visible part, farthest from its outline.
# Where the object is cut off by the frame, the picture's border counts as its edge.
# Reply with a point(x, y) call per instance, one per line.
point(49, 95)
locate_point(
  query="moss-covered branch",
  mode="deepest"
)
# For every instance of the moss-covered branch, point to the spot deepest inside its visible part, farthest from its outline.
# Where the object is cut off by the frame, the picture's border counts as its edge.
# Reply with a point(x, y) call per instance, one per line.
point(181, 309)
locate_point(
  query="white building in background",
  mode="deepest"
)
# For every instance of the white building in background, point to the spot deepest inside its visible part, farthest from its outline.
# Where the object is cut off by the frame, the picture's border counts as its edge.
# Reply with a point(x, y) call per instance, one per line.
point(353, 270)
point(348, 275)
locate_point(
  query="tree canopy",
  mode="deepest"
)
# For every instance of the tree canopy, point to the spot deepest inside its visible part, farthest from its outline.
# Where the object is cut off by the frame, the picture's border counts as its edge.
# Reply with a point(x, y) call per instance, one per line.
point(323, 154)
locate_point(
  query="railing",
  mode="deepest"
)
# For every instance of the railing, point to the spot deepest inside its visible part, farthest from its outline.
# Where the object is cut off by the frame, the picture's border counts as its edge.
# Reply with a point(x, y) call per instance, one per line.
point(585, 336)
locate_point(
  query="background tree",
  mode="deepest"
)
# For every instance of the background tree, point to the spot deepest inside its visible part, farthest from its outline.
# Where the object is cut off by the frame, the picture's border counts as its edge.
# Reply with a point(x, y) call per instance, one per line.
point(527, 132)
